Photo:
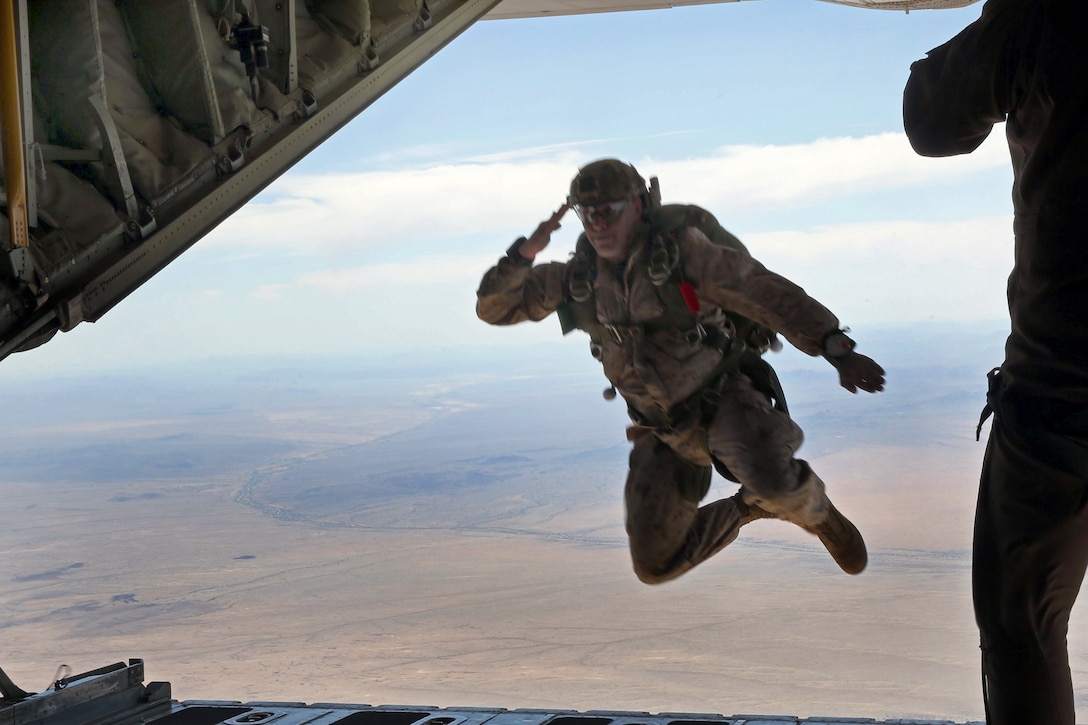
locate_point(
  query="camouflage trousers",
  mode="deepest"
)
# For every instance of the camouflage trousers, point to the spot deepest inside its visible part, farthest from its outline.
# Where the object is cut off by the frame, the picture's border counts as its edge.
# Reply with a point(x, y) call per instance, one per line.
point(669, 532)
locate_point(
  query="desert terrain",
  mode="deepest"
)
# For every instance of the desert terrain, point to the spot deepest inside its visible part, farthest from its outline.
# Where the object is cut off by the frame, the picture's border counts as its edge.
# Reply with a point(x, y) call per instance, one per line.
point(452, 535)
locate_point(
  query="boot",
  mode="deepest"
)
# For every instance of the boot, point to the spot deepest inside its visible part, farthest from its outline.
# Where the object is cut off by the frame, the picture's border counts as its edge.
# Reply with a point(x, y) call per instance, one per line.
point(842, 540)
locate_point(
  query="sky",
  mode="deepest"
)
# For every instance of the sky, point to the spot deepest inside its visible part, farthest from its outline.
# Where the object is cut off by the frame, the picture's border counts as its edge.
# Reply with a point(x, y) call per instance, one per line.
point(782, 117)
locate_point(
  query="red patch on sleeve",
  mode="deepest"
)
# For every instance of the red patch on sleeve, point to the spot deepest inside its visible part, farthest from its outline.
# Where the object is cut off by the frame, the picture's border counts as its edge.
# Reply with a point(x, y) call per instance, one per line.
point(690, 298)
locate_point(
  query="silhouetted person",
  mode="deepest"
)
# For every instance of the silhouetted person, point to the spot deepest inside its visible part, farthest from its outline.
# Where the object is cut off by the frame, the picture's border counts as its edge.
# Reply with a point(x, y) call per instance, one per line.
point(1026, 62)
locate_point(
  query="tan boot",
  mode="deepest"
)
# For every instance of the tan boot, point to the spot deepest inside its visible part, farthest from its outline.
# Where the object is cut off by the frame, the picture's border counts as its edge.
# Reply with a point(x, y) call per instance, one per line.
point(842, 540)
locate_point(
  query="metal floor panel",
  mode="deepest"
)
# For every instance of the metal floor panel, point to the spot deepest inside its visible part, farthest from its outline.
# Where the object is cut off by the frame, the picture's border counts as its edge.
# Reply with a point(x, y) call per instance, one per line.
point(117, 695)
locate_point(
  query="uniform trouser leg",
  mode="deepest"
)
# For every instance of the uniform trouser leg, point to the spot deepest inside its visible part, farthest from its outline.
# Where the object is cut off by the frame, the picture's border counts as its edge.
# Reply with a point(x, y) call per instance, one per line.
point(669, 533)
point(757, 443)
point(1030, 553)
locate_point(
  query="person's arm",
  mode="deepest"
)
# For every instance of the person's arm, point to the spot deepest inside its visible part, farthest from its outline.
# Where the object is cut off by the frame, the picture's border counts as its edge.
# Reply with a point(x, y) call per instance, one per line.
point(515, 290)
point(958, 92)
point(733, 280)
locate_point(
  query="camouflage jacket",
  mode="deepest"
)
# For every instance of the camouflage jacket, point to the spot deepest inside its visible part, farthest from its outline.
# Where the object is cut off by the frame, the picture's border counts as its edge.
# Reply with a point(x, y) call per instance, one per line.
point(659, 368)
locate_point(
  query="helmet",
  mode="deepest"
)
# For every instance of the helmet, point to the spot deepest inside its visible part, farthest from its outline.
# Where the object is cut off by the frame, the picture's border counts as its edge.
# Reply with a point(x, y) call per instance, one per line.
point(605, 180)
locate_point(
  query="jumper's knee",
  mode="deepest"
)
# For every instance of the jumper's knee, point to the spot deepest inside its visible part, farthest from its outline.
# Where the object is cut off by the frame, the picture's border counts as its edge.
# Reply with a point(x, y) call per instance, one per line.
point(653, 574)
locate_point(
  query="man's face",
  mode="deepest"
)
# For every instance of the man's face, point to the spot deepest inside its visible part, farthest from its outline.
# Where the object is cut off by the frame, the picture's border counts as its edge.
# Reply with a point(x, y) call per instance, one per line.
point(610, 226)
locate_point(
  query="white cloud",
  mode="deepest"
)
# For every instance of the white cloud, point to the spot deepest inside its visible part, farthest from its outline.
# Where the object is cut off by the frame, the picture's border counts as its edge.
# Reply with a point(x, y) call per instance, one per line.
point(986, 241)
point(393, 258)
point(340, 214)
point(271, 292)
point(373, 210)
point(878, 272)
point(770, 176)
point(898, 271)
point(424, 274)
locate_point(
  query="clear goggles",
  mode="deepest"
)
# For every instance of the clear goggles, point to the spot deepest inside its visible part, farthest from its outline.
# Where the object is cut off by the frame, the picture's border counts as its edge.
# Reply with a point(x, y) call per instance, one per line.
point(606, 213)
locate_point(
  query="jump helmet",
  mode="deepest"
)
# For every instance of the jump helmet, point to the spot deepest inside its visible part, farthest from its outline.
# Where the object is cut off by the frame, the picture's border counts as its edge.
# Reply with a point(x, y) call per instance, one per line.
point(605, 180)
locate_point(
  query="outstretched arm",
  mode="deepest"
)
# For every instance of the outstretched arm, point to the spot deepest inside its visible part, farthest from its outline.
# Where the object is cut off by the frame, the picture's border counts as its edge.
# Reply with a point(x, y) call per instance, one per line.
point(735, 281)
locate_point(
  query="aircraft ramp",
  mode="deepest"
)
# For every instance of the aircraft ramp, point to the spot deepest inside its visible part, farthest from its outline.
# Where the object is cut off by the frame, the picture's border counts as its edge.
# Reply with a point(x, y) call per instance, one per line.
point(117, 695)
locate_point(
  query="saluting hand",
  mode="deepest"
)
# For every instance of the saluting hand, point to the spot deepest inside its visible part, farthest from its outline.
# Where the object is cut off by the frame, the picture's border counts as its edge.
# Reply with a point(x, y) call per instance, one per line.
point(539, 239)
point(857, 371)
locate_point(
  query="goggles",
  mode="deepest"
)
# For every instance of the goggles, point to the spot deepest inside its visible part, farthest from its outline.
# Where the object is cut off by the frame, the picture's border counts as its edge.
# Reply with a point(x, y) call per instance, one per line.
point(606, 213)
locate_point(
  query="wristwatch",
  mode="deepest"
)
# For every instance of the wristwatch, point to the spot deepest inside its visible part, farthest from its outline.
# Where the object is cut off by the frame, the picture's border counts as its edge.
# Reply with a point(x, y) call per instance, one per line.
point(836, 344)
point(514, 253)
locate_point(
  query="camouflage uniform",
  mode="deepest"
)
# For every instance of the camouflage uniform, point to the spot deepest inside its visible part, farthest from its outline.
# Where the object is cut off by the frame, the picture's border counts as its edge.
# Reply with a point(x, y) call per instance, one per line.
point(656, 370)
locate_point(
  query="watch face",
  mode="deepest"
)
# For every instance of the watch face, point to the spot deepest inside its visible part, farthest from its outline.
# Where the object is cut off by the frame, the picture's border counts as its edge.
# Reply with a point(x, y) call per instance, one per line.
point(838, 345)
